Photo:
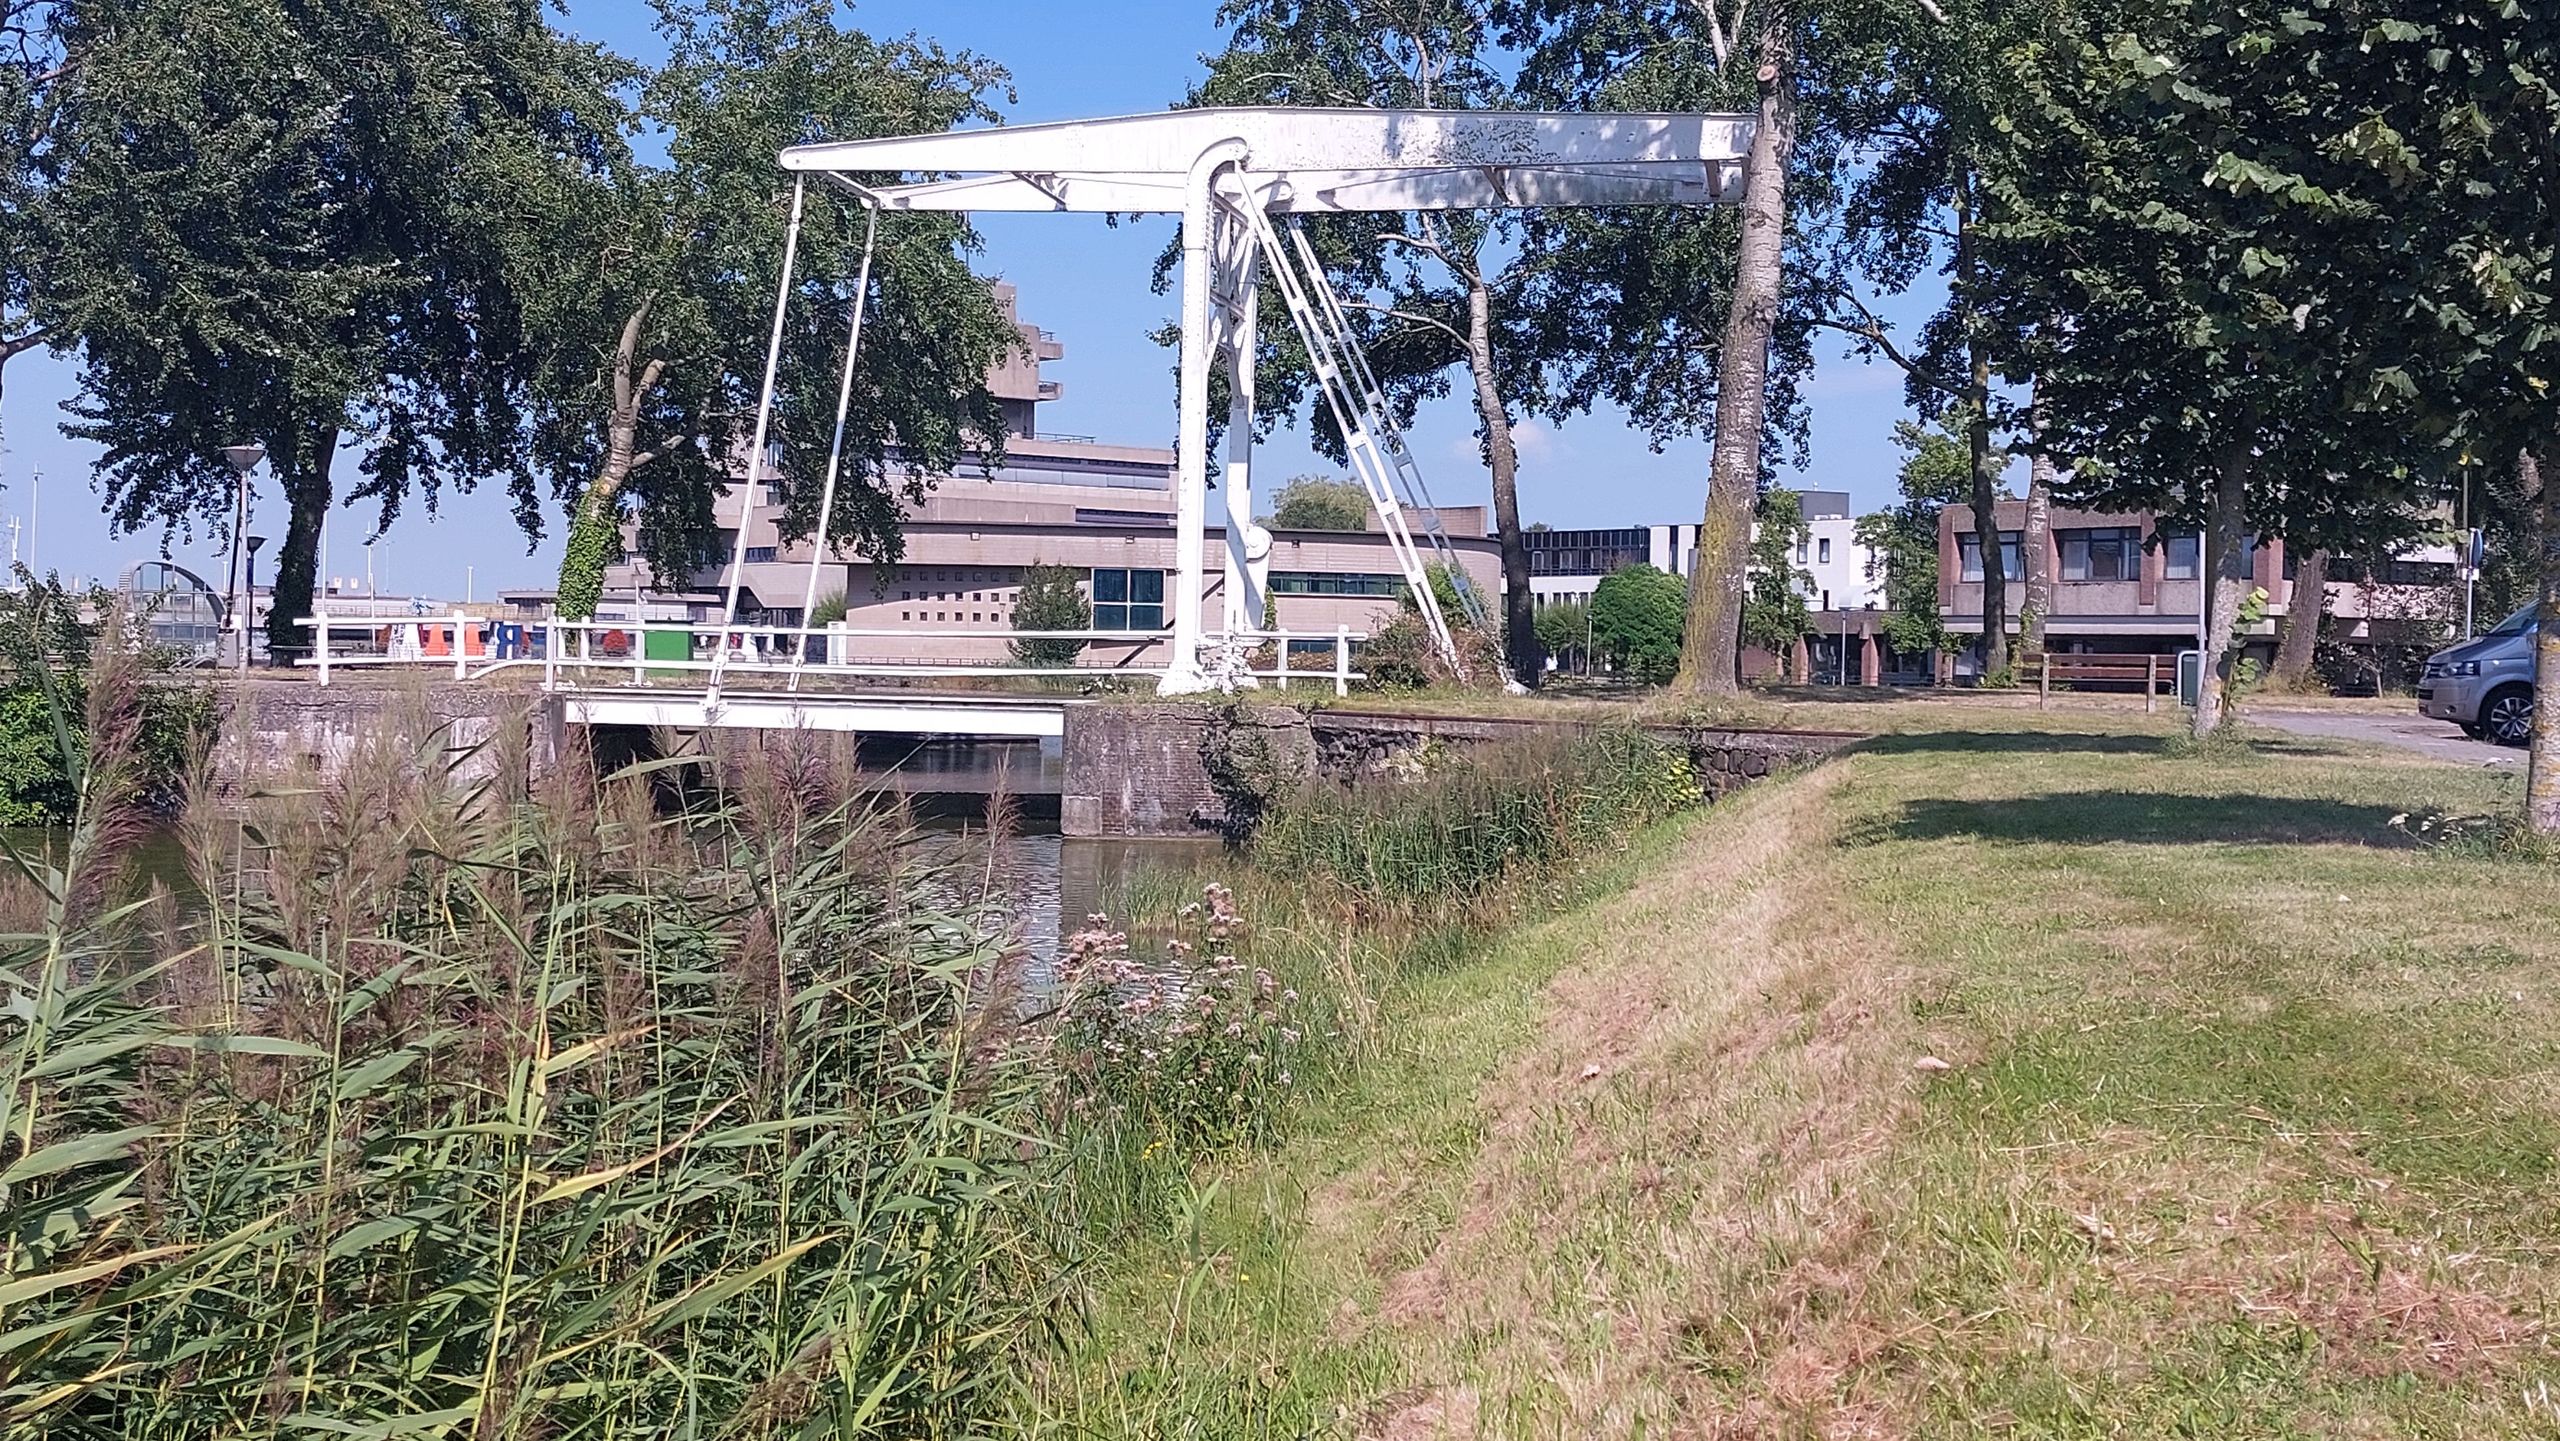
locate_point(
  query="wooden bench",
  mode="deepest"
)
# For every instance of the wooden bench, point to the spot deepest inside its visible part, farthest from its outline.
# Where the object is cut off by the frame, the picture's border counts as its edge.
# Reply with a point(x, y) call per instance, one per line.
point(2115, 670)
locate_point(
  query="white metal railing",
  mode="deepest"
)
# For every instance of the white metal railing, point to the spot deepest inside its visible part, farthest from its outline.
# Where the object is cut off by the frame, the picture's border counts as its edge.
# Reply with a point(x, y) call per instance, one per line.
point(568, 651)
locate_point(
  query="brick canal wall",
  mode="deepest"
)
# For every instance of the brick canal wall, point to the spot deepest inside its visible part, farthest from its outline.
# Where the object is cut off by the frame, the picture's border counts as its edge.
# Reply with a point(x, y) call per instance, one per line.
point(272, 727)
point(1185, 769)
point(1170, 769)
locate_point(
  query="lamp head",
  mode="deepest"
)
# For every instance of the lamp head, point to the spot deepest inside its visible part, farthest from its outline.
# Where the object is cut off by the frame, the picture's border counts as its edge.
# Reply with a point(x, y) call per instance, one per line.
point(254, 542)
point(244, 458)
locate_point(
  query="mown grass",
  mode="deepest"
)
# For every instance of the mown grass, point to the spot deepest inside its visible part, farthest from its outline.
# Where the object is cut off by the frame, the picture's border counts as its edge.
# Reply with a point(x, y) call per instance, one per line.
point(2238, 1117)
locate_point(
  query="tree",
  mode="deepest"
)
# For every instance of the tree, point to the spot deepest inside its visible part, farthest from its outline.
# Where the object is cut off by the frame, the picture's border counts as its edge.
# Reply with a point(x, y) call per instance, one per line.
point(290, 227)
point(1321, 502)
point(2298, 633)
point(2172, 343)
point(32, 63)
point(1773, 610)
point(1903, 542)
point(1564, 631)
point(1051, 597)
point(1444, 300)
point(655, 299)
point(1697, 324)
point(1636, 618)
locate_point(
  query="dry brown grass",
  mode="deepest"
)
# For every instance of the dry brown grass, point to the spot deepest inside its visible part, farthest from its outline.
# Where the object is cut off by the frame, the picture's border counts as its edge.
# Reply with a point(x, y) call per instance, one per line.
point(1685, 1154)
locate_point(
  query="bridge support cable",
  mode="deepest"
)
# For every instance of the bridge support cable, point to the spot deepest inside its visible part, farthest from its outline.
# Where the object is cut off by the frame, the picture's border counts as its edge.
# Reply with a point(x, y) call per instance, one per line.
point(755, 449)
point(1408, 474)
point(835, 447)
point(1351, 398)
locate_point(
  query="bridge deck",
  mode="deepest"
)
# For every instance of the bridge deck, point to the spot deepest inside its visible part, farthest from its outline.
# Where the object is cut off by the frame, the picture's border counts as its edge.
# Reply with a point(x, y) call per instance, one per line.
point(889, 714)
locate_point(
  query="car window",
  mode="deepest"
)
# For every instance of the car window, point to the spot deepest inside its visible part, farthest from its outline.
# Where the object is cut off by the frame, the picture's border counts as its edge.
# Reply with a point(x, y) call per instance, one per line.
point(2516, 624)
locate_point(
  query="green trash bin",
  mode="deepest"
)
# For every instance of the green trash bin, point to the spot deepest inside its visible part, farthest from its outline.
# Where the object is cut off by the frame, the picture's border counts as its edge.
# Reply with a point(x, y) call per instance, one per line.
point(674, 645)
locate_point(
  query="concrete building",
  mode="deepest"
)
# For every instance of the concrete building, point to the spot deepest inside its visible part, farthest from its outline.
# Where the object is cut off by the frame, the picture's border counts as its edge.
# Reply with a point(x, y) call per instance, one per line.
point(2121, 587)
point(1105, 511)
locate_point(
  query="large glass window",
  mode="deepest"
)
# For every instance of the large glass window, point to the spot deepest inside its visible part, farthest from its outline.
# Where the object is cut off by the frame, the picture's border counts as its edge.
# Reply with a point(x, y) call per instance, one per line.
point(2111, 553)
point(1969, 553)
point(1128, 600)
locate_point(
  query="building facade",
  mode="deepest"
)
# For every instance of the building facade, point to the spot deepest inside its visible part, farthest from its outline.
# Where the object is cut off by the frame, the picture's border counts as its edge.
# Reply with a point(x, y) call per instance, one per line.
point(1103, 511)
point(2123, 587)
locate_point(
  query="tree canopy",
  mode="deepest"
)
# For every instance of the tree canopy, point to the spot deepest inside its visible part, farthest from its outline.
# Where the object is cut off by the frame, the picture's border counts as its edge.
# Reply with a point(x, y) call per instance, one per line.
point(655, 293)
point(1321, 502)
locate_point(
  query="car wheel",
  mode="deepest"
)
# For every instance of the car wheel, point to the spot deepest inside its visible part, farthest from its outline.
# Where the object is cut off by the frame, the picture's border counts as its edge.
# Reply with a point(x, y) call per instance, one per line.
point(2508, 717)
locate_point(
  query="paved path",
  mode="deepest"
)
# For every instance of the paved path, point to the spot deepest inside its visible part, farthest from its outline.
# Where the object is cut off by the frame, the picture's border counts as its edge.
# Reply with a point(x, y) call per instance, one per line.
point(2441, 740)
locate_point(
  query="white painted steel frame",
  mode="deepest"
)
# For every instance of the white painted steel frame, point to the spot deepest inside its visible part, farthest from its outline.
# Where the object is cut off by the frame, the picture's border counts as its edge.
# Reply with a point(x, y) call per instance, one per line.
point(1216, 167)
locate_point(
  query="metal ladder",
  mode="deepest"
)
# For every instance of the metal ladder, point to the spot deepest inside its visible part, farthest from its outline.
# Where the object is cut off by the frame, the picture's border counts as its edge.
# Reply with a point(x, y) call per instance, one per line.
point(1359, 412)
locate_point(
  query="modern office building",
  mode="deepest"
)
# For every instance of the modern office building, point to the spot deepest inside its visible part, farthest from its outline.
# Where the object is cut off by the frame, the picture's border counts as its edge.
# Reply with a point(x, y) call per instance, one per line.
point(1570, 564)
point(1104, 511)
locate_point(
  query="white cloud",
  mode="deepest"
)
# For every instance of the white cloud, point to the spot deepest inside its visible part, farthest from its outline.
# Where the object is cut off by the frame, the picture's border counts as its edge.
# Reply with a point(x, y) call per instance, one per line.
point(1534, 440)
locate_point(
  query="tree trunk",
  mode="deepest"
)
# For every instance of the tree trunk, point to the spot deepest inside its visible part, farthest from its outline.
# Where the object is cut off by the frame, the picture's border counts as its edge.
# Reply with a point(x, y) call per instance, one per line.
point(595, 528)
point(2035, 553)
point(2542, 759)
point(301, 464)
point(2298, 638)
point(2229, 586)
point(1986, 464)
point(1711, 645)
point(1519, 613)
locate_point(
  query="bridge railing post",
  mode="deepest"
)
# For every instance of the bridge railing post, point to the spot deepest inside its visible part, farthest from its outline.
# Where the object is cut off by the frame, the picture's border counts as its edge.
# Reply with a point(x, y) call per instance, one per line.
point(551, 658)
point(320, 640)
point(1342, 660)
point(461, 662)
point(1283, 643)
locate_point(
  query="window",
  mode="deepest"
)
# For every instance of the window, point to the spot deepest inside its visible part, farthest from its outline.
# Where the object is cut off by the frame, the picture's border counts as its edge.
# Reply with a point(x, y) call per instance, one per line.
point(2112, 553)
point(1969, 553)
point(2181, 550)
point(1826, 558)
point(1320, 583)
point(1800, 550)
point(1128, 600)
point(759, 554)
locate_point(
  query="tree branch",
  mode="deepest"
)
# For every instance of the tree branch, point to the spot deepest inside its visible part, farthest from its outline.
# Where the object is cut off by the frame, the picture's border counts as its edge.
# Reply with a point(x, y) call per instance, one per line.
point(1406, 315)
point(1870, 328)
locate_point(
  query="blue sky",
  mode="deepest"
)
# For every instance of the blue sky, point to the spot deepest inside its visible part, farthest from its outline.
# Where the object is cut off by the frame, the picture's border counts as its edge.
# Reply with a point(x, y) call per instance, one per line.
point(1078, 277)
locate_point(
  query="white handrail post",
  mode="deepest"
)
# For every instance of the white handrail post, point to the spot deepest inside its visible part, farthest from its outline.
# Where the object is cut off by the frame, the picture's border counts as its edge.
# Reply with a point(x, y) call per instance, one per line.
point(550, 657)
point(322, 637)
point(639, 649)
point(1342, 660)
point(461, 663)
point(1282, 641)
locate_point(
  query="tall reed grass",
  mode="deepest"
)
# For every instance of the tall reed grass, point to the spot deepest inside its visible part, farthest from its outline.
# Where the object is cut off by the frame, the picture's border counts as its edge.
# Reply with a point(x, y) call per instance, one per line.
point(491, 1110)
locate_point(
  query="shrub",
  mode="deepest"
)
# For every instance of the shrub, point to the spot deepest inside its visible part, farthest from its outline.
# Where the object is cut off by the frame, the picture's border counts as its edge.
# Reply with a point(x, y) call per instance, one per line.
point(1196, 1054)
point(1481, 817)
point(1637, 616)
point(1051, 598)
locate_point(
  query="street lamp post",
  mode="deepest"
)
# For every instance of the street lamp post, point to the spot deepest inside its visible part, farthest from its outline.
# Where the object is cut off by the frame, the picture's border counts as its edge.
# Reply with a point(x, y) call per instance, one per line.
point(243, 458)
point(247, 631)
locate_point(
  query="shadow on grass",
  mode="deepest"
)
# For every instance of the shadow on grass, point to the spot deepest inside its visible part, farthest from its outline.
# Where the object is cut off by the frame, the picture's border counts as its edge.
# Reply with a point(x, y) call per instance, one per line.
point(2100, 817)
point(2021, 742)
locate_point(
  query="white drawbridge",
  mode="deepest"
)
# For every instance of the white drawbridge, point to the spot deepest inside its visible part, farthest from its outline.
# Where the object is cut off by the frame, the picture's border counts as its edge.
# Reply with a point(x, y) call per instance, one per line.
point(1227, 173)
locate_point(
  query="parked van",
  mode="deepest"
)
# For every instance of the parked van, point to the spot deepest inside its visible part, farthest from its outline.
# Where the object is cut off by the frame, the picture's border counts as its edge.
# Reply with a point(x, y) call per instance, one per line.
point(2485, 685)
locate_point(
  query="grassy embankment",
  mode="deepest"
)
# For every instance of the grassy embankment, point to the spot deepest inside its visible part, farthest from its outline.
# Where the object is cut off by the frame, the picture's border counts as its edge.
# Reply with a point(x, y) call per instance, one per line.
point(2246, 1127)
